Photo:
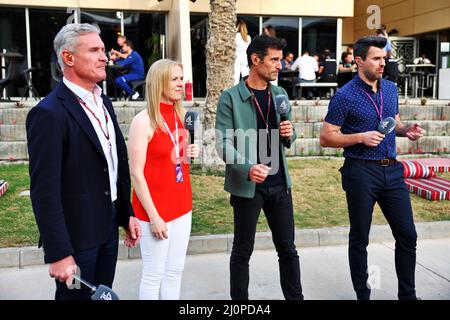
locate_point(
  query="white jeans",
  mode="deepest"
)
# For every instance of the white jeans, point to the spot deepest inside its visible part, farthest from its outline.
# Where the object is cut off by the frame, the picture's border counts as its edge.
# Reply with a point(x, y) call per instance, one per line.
point(163, 260)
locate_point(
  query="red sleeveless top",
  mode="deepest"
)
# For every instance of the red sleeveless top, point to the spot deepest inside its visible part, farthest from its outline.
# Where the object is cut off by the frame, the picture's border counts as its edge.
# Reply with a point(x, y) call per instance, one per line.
point(172, 199)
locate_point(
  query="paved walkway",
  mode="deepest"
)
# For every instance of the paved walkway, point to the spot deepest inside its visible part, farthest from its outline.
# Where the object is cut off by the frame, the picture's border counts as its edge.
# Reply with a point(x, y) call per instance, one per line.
point(325, 275)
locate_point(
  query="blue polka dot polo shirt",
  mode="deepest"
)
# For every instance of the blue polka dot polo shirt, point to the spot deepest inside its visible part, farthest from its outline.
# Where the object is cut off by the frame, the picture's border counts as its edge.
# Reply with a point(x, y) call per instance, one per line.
point(352, 110)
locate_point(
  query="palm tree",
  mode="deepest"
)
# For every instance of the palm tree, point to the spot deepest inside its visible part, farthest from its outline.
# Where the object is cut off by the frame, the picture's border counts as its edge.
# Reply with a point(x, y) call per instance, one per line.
point(220, 56)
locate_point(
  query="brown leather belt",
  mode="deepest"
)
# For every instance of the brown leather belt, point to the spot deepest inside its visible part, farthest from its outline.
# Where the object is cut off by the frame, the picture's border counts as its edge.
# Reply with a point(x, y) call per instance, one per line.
point(384, 162)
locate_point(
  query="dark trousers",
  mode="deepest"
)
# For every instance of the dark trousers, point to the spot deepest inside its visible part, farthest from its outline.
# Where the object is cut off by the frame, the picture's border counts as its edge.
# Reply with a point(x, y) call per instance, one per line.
point(365, 183)
point(277, 205)
point(96, 266)
point(123, 81)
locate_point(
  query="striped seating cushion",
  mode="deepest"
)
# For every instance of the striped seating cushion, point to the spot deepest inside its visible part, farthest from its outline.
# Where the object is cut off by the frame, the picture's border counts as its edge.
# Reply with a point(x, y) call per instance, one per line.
point(434, 188)
point(3, 187)
point(416, 170)
point(438, 164)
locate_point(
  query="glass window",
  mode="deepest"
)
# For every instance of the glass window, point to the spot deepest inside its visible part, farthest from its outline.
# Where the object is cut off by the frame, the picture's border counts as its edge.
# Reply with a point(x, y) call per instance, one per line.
point(319, 34)
point(48, 22)
point(199, 37)
point(108, 23)
point(143, 29)
point(146, 30)
point(13, 39)
point(427, 46)
point(252, 23)
point(285, 28)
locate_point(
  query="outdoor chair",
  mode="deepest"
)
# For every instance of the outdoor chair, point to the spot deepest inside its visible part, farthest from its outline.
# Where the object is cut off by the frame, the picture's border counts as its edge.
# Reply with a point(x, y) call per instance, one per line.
point(29, 84)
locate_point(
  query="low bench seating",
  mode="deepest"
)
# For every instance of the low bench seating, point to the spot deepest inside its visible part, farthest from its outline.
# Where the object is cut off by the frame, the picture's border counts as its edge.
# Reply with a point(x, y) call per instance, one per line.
point(421, 179)
point(3, 187)
point(434, 188)
point(330, 85)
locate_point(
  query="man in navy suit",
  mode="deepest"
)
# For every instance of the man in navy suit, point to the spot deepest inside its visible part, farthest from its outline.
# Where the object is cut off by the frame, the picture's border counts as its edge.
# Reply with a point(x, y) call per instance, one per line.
point(80, 183)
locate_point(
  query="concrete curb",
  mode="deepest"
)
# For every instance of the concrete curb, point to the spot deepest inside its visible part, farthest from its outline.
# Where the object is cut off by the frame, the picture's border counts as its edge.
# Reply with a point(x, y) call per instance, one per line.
point(29, 256)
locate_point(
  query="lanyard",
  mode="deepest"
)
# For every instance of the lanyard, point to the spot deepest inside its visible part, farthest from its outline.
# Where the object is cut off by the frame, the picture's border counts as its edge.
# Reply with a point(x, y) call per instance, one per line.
point(379, 110)
point(174, 140)
point(106, 134)
point(255, 101)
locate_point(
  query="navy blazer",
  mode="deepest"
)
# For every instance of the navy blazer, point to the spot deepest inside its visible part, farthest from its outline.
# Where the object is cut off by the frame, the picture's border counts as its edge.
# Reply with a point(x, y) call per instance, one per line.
point(69, 180)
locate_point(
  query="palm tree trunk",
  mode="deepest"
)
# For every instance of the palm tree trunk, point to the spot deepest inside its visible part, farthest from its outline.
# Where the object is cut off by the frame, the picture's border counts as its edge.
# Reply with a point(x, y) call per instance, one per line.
point(220, 56)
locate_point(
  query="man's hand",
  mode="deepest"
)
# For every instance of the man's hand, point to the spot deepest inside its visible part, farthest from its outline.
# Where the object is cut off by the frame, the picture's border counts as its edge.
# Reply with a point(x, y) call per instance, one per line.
point(286, 129)
point(133, 233)
point(415, 132)
point(372, 138)
point(63, 270)
point(258, 173)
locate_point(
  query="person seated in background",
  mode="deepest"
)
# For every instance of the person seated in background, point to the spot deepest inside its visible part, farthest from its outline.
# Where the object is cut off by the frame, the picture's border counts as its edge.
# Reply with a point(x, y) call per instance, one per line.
point(347, 64)
point(347, 67)
point(327, 68)
point(287, 61)
point(135, 65)
point(115, 55)
point(307, 67)
point(422, 59)
point(287, 81)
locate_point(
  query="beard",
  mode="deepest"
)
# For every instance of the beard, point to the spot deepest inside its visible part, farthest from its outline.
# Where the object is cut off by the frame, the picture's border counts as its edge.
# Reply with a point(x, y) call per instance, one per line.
point(372, 76)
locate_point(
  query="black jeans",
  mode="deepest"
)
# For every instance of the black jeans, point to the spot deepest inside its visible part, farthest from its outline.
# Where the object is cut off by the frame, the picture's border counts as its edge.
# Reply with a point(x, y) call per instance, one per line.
point(277, 205)
point(365, 183)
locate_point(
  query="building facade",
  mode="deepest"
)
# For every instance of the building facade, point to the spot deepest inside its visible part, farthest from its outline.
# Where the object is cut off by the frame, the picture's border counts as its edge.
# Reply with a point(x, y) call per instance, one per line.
point(158, 28)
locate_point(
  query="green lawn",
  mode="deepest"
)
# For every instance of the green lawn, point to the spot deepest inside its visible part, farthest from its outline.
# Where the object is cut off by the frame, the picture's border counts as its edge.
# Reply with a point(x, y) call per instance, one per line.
point(317, 194)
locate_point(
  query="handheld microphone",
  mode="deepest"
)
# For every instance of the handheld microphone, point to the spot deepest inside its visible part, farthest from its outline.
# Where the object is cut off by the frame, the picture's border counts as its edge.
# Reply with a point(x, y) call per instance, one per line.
point(191, 122)
point(387, 125)
point(282, 106)
point(101, 292)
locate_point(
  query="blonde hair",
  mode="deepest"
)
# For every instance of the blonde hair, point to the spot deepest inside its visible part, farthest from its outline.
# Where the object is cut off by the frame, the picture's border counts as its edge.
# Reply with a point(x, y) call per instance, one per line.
point(242, 29)
point(157, 83)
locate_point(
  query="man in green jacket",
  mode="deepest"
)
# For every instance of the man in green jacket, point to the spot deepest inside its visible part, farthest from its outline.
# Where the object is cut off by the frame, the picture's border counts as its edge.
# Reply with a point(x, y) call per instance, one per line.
point(251, 141)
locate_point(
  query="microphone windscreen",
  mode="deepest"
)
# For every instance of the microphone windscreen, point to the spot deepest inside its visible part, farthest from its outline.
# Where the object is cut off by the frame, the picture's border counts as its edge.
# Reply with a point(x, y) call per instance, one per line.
point(387, 125)
point(282, 104)
point(104, 293)
point(191, 120)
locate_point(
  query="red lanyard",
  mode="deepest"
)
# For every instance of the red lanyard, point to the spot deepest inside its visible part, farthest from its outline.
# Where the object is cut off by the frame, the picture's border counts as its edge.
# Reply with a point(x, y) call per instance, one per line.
point(106, 134)
point(379, 110)
point(266, 120)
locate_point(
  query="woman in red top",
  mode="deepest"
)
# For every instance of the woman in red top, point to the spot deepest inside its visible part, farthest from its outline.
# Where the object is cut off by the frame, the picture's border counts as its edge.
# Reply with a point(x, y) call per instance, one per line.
point(162, 196)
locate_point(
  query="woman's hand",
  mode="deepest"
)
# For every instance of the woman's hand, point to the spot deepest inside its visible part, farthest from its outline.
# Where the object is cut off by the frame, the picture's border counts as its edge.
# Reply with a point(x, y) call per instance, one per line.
point(192, 151)
point(159, 228)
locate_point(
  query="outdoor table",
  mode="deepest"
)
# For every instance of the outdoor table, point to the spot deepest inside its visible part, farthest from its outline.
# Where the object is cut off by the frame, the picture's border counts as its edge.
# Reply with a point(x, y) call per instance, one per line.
point(112, 72)
point(418, 73)
point(290, 76)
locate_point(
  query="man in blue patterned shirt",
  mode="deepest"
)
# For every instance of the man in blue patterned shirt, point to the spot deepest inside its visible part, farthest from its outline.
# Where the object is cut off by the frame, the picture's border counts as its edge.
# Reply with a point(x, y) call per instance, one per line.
point(371, 173)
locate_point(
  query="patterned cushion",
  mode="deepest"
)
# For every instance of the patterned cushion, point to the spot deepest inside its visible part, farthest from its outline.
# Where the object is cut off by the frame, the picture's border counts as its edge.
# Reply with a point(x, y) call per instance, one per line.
point(3, 187)
point(438, 164)
point(416, 170)
point(435, 188)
